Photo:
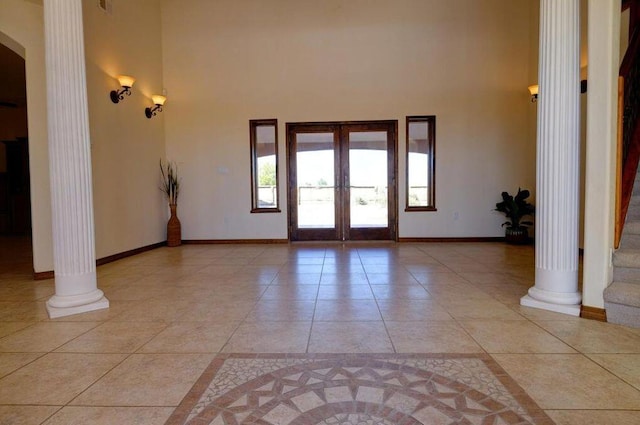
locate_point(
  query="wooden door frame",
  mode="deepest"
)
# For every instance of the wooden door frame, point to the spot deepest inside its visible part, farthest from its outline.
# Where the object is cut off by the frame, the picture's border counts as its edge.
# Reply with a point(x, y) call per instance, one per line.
point(392, 170)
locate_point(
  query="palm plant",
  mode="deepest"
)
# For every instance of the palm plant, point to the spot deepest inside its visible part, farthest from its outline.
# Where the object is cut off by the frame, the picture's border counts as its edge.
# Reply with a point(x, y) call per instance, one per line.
point(170, 183)
point(516, 208)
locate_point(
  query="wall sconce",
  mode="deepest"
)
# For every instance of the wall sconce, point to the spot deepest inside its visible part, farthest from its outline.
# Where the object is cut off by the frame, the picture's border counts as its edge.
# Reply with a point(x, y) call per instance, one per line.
point(534, 92)
point(126, 82)
point(158, 101)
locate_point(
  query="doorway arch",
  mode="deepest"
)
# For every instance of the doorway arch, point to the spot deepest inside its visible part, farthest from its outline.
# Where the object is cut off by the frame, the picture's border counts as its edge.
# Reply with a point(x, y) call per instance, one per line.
point(22, 31)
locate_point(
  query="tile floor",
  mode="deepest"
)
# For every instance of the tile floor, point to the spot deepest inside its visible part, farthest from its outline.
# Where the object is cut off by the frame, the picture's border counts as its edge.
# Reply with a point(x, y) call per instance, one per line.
point(174, 309)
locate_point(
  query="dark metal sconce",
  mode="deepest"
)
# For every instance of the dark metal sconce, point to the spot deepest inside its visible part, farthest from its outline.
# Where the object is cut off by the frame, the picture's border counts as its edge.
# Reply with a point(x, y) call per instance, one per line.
point(158, 101)
point(126, 82)
point(533, 90)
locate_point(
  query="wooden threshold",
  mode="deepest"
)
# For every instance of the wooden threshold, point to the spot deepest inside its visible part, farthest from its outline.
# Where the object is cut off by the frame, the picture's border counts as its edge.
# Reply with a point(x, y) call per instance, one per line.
point(232, 241)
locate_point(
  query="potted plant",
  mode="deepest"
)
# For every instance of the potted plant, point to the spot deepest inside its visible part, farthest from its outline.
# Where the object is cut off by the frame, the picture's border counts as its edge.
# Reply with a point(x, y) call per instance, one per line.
point(170, 186)
point(516, 208)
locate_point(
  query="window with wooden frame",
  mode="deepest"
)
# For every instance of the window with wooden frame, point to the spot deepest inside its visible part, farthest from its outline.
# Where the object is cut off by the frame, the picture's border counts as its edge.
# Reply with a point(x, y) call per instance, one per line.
point(421, 163)
point(264, 165)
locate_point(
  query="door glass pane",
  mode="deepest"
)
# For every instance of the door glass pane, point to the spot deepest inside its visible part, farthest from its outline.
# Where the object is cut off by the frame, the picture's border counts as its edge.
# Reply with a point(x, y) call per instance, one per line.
point(315, 156)
point(368, 179)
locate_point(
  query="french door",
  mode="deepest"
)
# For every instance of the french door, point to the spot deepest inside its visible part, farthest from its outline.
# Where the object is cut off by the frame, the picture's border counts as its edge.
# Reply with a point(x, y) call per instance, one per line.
point(342, 180)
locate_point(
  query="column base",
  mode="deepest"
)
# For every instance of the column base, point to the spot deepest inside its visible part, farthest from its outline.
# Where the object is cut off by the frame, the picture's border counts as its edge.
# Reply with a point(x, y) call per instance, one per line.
point(55, 312)
point(571, 309)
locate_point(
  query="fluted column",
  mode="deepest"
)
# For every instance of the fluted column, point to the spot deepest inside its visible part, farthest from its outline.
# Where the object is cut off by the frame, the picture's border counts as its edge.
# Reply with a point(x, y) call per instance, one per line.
point(558, 160)
point(70, 163)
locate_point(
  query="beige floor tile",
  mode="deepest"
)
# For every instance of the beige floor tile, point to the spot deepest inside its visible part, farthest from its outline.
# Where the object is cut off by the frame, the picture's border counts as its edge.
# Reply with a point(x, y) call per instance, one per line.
point(624, 366)
point(467, 267)
point(269, 337)
point(456, 292)
point(282, 311)
point(25, 415)
point(22, 311)
point(568, 381)
point(395, 292)
point(190, 337)
point(344, 279)
point(291, 292)
point(230, 292)
point(488, 277)
point(349, 337)
point(519, 336)
point(203, 294)
point(44, 336)
point(340, 268)
point(431, 337)
point(536, 314)
point(72, 415)
point(114, 337)
point(400, 277)
point(507, 293)
point(155, 310)
point(301, 268)
point(227, 312)
point(403, 310)
point(340, 291)
point(137, 292)
point(116, 308)
point(7, 328)
point(146, 380)
point(347, 311)
point(472, 309)
point(55, 378)
point(594, 417)
point(12, 361)
point(393, 269)
point(438, 274)
point(213, 275)
point(296, 279)
point(27, 291)
point(590, 336)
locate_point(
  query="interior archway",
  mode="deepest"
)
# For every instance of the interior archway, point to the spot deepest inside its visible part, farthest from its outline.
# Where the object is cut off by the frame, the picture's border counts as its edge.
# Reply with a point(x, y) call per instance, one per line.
point(15, 193)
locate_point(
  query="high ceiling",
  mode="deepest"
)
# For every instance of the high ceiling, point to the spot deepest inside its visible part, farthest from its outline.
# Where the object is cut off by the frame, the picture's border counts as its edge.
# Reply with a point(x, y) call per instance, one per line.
point(13, 87)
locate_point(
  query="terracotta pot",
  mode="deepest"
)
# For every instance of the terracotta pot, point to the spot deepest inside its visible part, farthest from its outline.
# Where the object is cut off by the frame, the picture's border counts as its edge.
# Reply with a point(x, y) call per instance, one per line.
point(174, 232)
point(517, 236)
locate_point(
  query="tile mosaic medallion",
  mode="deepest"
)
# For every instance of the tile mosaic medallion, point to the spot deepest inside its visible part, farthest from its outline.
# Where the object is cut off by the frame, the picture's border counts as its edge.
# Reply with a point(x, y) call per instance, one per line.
point(352, 389)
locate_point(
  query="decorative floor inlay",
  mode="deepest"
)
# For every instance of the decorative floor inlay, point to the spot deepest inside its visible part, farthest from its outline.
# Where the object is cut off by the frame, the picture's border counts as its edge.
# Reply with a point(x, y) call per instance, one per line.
point(356, 389)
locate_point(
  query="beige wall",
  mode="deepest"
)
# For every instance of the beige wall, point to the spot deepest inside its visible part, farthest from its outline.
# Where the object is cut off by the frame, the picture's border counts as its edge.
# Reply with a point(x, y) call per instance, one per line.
point(466, 61)
point(125, 146)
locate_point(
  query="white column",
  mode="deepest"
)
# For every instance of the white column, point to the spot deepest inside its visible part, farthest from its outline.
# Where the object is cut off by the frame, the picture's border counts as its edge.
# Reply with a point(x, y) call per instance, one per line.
point(558, 160)
point(70, 163)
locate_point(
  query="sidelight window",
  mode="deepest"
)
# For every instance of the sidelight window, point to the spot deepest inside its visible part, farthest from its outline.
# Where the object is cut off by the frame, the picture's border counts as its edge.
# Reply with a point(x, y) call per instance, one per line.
point(421, 163)
point(264, 165)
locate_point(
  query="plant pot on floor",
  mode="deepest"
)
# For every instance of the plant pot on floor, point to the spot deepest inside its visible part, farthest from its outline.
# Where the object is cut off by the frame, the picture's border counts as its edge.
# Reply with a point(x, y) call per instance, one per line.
point(517, 236)
point(174, 232)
